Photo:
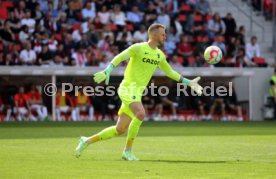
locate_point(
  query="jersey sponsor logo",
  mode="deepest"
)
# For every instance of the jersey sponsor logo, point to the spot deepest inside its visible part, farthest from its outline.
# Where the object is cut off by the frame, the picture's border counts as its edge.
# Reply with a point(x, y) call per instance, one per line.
point(151, 61)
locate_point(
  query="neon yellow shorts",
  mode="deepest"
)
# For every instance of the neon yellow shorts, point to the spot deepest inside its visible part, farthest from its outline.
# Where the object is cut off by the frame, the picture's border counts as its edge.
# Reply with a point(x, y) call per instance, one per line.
point(127, 97)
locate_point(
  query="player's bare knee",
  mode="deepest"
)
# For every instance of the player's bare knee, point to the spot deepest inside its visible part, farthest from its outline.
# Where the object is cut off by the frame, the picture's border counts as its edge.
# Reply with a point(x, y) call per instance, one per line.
point(140, 115)
point(121, 129)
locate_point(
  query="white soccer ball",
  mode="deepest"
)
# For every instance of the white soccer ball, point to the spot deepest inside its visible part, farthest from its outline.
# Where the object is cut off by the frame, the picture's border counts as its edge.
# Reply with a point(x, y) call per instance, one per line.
point(212, 54)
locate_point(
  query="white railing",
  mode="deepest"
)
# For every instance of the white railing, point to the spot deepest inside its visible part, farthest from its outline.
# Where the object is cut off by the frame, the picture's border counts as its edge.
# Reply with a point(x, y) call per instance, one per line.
point(119, 71)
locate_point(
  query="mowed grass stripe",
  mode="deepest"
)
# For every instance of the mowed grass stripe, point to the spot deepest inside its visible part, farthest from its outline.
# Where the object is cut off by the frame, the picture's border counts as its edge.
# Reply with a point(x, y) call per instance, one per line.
point(166, 150)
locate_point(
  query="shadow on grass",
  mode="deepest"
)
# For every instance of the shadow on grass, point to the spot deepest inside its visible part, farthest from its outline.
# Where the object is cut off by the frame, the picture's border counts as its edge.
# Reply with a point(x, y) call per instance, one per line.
point(185, 161)
point(177, 161)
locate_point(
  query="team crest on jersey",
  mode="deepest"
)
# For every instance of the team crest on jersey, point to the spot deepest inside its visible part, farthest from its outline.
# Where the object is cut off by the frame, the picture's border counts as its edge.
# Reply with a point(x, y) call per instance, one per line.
point(158, 55)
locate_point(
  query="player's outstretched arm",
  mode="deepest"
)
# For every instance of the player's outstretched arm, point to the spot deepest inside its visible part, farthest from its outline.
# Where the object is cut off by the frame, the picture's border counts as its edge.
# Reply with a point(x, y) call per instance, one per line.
point(167, 69)
point(105, 74)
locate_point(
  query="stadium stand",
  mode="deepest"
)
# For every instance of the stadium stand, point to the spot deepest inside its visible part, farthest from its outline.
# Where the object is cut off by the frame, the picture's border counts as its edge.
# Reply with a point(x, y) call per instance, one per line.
point(97, 28)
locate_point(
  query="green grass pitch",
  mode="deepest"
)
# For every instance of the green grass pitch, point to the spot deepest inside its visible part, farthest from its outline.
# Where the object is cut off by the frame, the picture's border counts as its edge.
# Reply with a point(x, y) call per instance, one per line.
point(166, 150)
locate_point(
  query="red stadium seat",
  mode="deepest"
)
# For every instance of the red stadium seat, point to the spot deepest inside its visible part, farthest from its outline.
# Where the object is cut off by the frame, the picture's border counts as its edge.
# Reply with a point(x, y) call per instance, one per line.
point(182, 18)
point(185, 8)
point(18, 47)
point(216, 38)
point(129, 27)
point(208, 17)
point(191, 60)
point(1, 47)
point(180, 59)
point(259, 60)
point(198, 18)
point(76, 26)
point(199, 38)
point(58, 37)
point(10, 46)
point(113, 27)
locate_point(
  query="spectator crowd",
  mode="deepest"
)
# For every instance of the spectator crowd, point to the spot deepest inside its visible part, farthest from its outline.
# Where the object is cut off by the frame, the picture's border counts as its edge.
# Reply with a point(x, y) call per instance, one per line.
point(90, 33)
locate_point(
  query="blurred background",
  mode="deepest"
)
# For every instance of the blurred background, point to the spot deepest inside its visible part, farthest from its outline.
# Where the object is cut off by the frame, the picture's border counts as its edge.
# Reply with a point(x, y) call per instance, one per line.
point(61, 41)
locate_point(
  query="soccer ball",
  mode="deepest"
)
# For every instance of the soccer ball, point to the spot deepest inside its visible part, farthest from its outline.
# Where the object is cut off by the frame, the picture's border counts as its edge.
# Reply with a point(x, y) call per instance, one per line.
point(212, 54)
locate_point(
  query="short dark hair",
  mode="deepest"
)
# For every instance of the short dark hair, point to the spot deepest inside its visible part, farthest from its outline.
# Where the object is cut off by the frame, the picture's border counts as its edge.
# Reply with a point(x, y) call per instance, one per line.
point(154, 27)
point(254, 37)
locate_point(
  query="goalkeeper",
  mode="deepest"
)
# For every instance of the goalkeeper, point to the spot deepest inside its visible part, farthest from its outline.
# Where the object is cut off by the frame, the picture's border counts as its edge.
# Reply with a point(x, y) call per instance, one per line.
point(144, 59)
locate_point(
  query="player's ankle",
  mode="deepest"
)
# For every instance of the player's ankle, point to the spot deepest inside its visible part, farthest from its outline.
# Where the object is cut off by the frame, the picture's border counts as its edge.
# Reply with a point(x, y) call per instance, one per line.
point(127, 149)
point(88, 140)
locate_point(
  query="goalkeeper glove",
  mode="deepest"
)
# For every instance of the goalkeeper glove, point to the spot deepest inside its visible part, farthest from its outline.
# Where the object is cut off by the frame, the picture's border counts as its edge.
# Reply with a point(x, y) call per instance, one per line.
point(104, 75)
point(194, 85)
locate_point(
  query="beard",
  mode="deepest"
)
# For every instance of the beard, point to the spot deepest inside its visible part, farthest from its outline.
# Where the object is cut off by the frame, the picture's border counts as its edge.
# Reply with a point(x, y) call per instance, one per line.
point(160, 43)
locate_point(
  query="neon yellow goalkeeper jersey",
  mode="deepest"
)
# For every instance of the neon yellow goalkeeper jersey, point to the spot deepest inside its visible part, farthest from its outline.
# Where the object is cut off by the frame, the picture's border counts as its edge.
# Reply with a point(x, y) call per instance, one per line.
point(142, 64)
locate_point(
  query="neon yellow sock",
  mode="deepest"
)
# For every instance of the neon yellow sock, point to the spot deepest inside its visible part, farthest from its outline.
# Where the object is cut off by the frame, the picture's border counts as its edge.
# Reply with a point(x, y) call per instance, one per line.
point(107, 133)
point(132, 132)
